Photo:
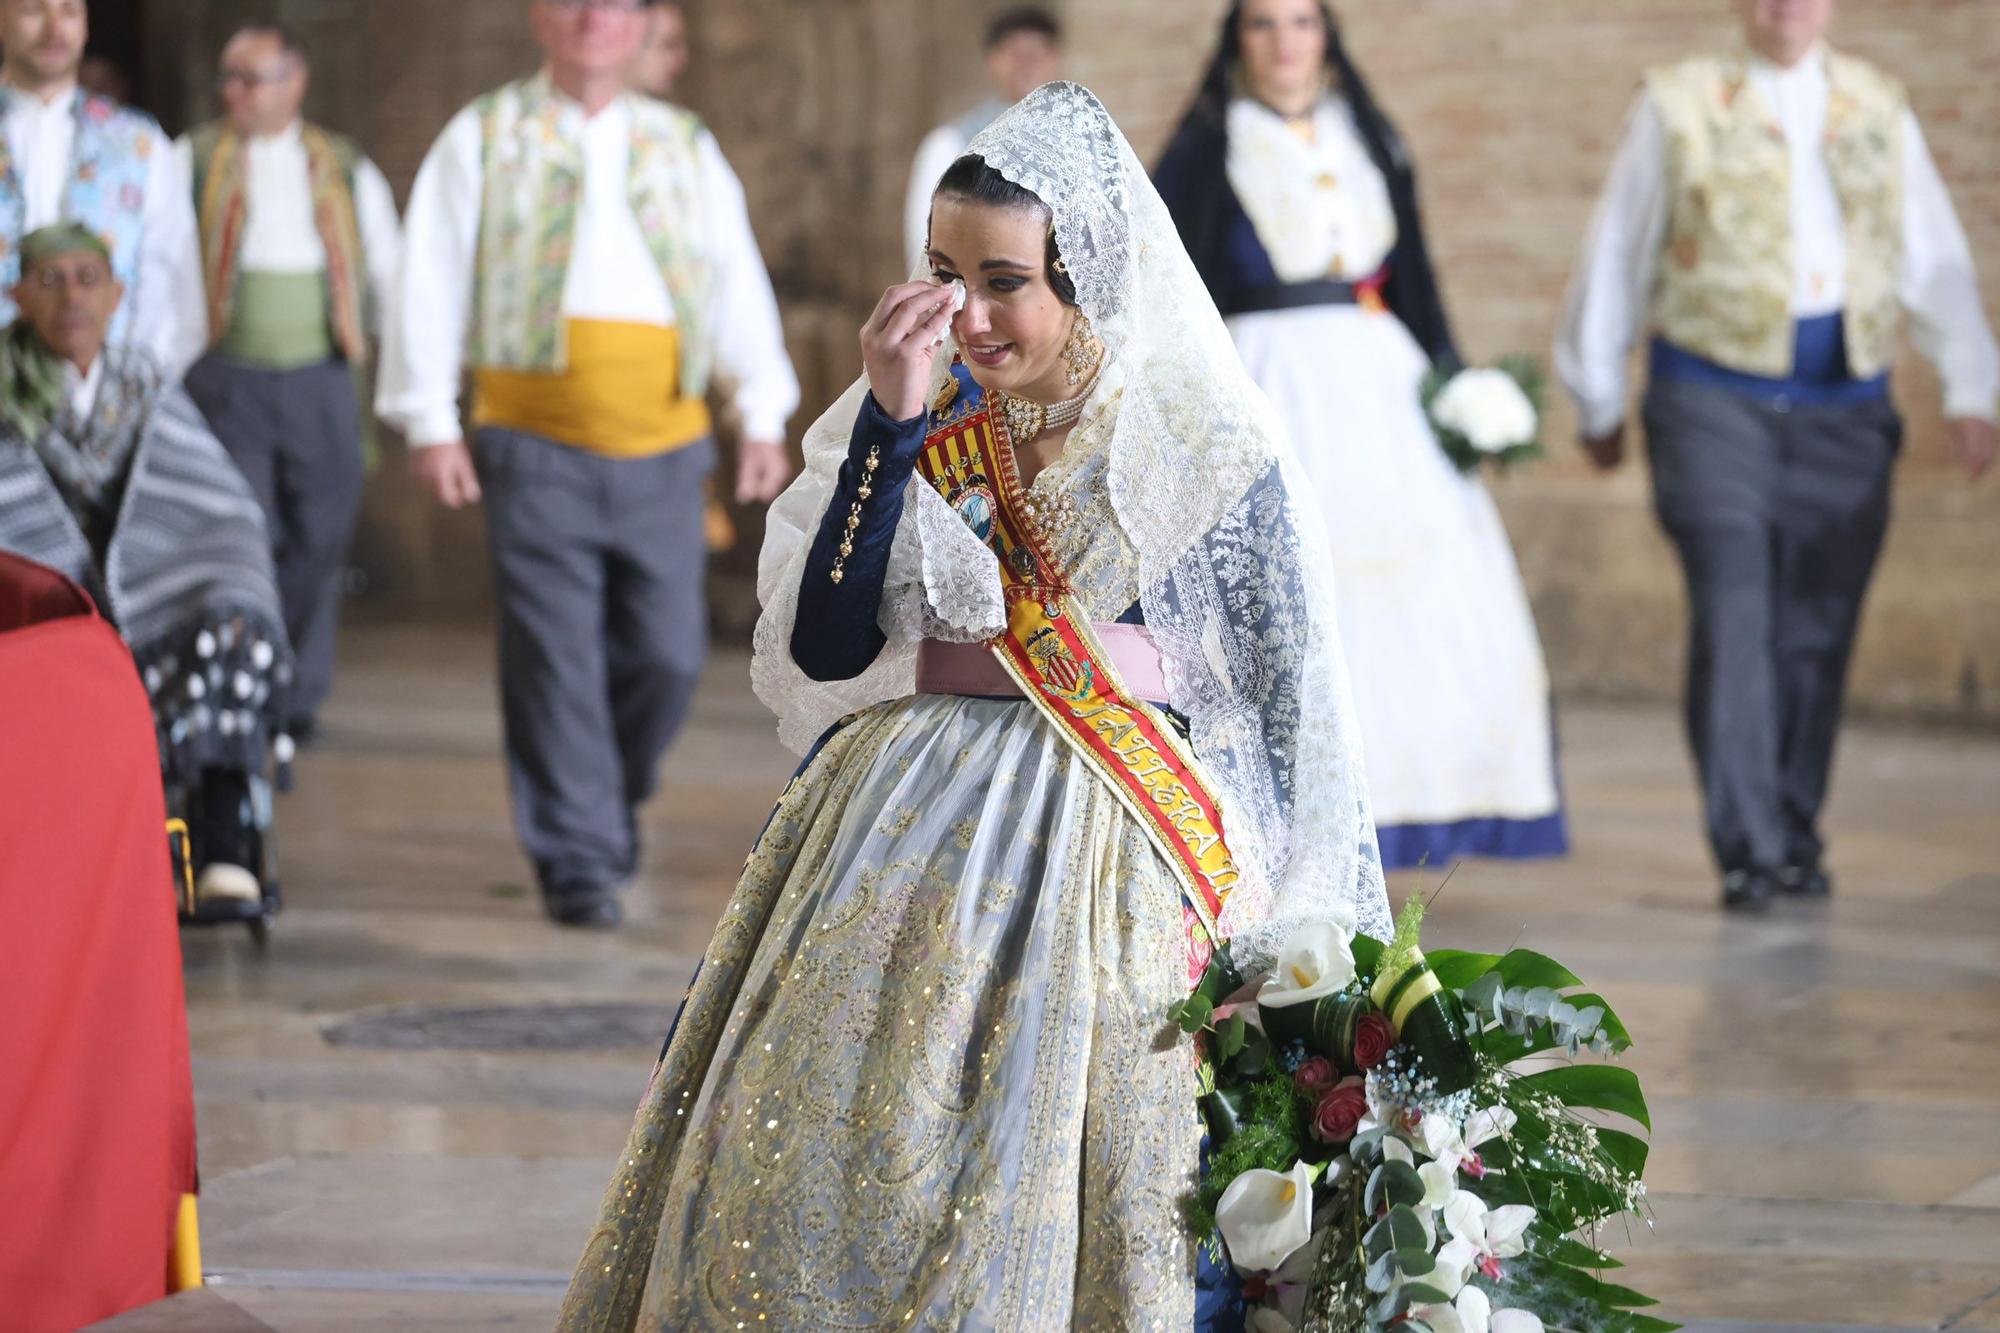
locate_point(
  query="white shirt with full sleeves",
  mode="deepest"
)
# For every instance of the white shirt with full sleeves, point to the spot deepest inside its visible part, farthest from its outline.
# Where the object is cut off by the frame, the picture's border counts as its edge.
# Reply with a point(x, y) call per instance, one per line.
point(612, 276)
point(169, 310)
point(1611, 292)
point(280, 234)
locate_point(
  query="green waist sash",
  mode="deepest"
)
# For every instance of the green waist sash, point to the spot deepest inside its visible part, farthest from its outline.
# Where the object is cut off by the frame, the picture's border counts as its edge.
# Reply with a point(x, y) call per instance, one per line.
point(282, 321)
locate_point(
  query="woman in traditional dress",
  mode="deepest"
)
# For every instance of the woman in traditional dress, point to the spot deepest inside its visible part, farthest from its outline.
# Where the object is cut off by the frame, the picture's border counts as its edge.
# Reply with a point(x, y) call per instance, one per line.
point(1295, 198)
point(1046, 599)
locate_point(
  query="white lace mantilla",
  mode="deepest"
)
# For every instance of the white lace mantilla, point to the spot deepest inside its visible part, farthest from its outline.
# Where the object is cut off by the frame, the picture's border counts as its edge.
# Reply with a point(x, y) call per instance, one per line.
point(1232, 568)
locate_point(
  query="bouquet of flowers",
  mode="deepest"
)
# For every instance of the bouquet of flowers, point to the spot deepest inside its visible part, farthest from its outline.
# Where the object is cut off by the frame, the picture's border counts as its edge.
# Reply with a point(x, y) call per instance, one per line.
point(1487, 414)
point(1396, 1140)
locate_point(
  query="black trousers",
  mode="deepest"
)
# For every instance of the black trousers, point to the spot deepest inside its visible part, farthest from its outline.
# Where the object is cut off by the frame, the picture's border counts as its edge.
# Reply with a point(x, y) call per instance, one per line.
point(296, 436)
point(598, 568)
point(1778, 514)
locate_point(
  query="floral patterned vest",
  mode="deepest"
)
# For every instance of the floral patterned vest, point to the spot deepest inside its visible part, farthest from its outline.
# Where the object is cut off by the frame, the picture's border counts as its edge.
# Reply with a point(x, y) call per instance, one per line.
point(109, 171)
point(222, 204)
point(1725, 288)
point(527, 228)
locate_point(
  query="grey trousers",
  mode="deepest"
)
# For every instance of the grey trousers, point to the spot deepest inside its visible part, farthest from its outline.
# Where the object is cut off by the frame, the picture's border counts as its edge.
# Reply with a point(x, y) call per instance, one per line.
point(296, 436)
point(598, 568)
point(1778, 514)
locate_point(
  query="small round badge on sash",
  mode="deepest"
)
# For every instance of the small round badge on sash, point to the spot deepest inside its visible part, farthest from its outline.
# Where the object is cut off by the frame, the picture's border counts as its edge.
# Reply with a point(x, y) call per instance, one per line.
point(974, 504)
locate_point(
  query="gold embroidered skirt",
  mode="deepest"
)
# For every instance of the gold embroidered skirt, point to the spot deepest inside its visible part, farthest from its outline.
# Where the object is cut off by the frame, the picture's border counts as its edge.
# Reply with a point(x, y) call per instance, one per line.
point(925, 1078)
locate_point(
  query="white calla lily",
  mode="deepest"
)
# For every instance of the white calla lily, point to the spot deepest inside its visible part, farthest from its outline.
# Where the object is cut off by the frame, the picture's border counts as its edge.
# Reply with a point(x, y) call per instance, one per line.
point(1318, 960)
point(1266, 1320)
point(1266, 1216)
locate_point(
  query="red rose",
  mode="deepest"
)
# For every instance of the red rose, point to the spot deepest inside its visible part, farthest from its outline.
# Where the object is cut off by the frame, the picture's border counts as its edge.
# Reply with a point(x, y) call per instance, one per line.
point(1339, 1112)
point(1372, 1039)
point(1314, 1076)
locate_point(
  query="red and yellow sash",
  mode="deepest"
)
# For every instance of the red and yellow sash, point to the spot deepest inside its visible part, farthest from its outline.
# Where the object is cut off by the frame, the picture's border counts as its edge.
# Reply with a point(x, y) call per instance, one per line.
point(1051, 652)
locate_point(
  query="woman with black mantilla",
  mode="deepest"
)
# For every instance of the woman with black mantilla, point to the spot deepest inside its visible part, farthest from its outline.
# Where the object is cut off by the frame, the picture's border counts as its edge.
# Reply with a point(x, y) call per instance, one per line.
point(1297, 202)
point(926, 1077)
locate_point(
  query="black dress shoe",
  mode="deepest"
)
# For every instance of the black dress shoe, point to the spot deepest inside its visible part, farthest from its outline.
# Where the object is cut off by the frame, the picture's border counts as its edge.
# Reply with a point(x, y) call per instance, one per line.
point(1804, 882)
point(1747, 891)
point(588, 909)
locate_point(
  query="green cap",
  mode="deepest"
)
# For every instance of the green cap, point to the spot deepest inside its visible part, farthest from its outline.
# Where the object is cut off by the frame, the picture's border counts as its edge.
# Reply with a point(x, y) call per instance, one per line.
point(60, 238)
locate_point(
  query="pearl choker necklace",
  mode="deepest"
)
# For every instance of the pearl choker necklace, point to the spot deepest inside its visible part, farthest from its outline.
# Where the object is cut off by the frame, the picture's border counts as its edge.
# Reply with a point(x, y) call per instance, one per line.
point(1028, 420)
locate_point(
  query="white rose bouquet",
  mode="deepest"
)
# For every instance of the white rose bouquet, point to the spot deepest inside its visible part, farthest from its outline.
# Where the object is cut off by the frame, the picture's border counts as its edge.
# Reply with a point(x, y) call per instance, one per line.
point(1487, 414)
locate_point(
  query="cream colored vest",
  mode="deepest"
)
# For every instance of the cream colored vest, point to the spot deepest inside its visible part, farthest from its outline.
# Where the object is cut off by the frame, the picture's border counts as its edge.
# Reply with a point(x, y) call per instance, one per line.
point(527, 228)
point(1726, 278)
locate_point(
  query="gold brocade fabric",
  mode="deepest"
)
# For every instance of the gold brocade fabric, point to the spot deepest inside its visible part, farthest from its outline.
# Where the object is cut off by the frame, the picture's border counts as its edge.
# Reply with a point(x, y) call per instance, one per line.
point(1724, 289)
point(925, 1078)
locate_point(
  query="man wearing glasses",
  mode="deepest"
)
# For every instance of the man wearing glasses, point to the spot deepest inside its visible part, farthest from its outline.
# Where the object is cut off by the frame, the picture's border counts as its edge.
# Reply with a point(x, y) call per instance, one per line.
point(299, 248)
point(587, 252)
point(73, 157)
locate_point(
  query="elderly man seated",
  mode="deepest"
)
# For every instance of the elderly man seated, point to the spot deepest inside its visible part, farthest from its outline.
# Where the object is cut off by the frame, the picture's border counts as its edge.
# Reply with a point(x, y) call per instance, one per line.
point(110, 475)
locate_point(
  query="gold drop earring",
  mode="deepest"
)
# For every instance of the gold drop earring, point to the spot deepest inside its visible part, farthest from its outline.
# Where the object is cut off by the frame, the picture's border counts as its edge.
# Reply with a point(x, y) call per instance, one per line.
point(1082, 353)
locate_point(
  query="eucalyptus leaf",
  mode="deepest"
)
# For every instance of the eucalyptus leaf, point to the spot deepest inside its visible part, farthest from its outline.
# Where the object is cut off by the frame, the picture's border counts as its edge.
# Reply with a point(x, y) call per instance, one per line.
point(1416, 1263)
point(1483, 995)
point(1193, 1013)
point(1366, 1148)
point(1230, 1037)
point(1393, 1183)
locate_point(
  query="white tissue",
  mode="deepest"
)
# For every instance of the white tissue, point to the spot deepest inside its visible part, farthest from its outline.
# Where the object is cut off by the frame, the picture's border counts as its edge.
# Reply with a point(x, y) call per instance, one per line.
point(957, 304)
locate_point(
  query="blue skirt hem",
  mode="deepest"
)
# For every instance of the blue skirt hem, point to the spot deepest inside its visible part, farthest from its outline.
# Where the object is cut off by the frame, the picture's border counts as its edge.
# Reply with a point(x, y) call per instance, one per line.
point(1408, 846)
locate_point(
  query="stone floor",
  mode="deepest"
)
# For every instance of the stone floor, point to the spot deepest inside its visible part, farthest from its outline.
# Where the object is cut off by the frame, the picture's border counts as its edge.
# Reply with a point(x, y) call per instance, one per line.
point(1825, 1083)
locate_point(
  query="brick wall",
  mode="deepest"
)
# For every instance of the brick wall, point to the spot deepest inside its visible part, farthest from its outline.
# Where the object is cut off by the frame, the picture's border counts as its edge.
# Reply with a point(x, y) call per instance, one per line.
point(1512, 110)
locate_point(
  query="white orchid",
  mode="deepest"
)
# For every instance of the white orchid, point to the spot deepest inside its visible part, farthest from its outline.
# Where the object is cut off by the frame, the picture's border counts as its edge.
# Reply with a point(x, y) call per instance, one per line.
point(1485, 1125)
point(1441, 1141)
point(1472, 1312)
point(1318, 960)
point(1440, 1185)
point(1482, 1238)
point(1266, 1217)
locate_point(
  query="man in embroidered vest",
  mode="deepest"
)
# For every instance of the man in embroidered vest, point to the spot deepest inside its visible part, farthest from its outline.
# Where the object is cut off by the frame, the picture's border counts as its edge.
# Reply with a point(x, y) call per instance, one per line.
point(1777, 217)
point(587, 252)
point(1023, 51)
point(299, 247)
point(69, 156)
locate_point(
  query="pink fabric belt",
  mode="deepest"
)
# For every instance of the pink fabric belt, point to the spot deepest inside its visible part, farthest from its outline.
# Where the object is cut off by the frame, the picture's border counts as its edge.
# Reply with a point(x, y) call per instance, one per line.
point(971, 668)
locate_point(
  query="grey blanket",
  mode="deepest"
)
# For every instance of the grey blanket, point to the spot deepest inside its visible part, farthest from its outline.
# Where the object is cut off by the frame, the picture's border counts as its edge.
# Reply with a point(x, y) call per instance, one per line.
point(185, 574)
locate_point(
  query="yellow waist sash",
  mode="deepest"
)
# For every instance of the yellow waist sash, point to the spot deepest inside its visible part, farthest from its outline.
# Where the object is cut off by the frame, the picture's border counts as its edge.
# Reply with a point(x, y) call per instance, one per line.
point(619, 395)
point(1050, 651)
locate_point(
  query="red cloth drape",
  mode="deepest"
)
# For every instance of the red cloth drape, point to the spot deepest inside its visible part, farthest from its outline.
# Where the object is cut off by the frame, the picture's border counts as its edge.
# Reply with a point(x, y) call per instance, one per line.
point(96, 1100)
